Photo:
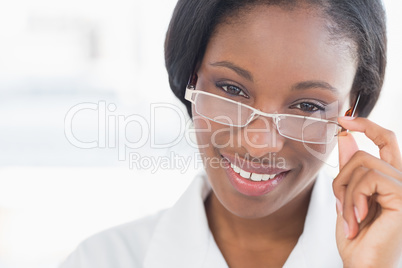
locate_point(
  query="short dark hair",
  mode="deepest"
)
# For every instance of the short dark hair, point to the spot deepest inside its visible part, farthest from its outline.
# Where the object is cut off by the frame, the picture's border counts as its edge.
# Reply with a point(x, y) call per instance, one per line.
point(361, 21)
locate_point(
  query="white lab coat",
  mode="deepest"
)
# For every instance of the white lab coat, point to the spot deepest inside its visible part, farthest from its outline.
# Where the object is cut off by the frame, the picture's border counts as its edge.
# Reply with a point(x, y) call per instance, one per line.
point(179, 237)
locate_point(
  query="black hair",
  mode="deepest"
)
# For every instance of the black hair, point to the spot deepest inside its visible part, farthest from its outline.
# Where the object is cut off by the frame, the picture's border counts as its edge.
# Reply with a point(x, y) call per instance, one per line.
point(361, 21)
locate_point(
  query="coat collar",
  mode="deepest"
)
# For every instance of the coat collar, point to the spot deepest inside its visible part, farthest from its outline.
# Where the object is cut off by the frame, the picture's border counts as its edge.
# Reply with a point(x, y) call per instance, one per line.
point(316, 246)
point(182, 237)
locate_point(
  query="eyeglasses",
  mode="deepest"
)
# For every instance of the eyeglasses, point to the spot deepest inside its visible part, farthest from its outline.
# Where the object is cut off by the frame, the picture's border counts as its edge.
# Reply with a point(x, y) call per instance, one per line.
point(232, 113)
point(351, 112)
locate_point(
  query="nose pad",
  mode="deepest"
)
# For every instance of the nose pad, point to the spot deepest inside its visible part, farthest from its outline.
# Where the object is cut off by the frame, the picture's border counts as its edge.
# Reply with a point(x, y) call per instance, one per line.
point(261, 136)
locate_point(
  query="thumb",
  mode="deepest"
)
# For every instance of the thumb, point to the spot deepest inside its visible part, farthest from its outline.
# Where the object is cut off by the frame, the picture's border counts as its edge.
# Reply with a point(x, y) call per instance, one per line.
point(347, 148)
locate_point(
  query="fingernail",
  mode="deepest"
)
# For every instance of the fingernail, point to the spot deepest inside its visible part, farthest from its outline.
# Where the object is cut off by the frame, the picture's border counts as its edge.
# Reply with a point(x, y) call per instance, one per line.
point(347, 117)
point(343, 133)
point(339, 206)
point(357, 214)
point(346, 228)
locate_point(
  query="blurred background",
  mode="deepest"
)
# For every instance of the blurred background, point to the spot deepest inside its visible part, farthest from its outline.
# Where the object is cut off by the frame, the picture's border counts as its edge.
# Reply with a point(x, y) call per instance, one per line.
point(75, 76)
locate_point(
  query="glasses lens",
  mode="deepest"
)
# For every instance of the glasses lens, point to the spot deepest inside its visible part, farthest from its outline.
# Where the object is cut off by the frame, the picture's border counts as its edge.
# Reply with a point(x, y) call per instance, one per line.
point(307, 130)
point(221, 110)
point(224, 111)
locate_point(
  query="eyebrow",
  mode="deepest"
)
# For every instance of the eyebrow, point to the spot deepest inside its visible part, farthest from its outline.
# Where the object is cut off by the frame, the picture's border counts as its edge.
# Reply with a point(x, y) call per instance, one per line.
point(314, 84)
point(299, 86)
point(240, 71)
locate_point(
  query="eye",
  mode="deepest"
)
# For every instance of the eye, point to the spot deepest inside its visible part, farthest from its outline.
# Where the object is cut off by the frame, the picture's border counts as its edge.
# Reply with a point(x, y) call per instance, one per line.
point(232, 90)
point(308, 107)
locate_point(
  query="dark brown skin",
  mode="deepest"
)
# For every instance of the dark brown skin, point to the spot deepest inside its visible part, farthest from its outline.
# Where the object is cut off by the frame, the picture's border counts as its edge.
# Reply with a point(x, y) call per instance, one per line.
point(237, 249)
point(369, 193)
point(279, 49)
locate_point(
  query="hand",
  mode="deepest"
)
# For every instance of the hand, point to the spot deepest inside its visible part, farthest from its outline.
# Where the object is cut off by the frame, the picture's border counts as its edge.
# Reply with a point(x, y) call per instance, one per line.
point(369, 193)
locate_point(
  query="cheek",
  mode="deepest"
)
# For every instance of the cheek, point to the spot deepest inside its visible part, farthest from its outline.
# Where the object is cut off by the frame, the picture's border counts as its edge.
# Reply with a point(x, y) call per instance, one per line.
point(203, 129)
point(211, 134)
point(316, 154)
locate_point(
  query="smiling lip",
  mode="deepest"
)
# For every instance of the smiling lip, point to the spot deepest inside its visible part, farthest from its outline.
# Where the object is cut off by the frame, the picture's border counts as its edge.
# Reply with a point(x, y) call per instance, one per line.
point(249, 187)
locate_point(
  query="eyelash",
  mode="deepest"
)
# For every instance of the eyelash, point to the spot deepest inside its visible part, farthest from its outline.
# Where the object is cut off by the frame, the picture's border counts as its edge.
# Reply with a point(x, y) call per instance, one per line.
point(317, 106)
point(241, 92)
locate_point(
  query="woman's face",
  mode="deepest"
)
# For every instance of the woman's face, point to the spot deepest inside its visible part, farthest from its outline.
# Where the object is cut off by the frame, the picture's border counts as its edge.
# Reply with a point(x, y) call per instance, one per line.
point(276, 61)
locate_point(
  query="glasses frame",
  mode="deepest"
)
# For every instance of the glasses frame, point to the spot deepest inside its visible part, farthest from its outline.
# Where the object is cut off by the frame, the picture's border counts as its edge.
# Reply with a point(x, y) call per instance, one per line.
point(352, 110)
point(191, 92)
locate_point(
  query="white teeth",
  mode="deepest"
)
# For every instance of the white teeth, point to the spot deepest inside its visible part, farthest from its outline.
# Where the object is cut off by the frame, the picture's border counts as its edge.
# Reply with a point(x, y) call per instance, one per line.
point(256, 176)
point(236, 169)
point(252, 176)
point(265, 177)
point(245, 174)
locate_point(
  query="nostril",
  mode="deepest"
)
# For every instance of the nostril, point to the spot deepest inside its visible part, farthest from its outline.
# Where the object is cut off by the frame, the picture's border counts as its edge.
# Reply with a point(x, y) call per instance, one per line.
point(262, 138)
point(254, 139)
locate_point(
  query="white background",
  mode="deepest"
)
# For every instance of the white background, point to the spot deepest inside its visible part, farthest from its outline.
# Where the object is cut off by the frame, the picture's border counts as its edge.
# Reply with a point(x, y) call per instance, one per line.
point(57, 54)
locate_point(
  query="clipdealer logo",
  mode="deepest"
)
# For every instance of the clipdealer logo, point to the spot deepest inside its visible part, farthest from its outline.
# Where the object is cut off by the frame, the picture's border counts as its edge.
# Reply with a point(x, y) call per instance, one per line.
point(112, 128)
point(112, 133)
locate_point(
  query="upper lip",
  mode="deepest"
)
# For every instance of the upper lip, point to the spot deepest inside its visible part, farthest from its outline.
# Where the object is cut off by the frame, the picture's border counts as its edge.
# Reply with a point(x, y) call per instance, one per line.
point(253, 167)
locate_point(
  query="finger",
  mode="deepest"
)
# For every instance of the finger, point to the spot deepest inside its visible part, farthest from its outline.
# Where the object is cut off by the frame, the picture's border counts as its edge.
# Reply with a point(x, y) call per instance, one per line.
point(364, 159)
point(368, 204)
point(340, 233)
point(347, 148)
point(385, 139)
point(372, 182)
point(341, 183)
point(351, 200)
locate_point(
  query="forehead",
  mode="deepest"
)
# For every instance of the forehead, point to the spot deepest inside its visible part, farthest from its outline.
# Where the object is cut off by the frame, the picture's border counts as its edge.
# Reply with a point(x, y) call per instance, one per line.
point(274, 43)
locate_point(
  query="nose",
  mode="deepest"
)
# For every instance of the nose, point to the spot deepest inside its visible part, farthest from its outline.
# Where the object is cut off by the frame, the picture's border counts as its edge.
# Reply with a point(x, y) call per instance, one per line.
point(261, 137)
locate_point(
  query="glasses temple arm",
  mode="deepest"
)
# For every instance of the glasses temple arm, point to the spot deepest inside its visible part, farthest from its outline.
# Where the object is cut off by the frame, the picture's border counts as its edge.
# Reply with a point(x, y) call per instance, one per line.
point(188, 95)
point(351, 112)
